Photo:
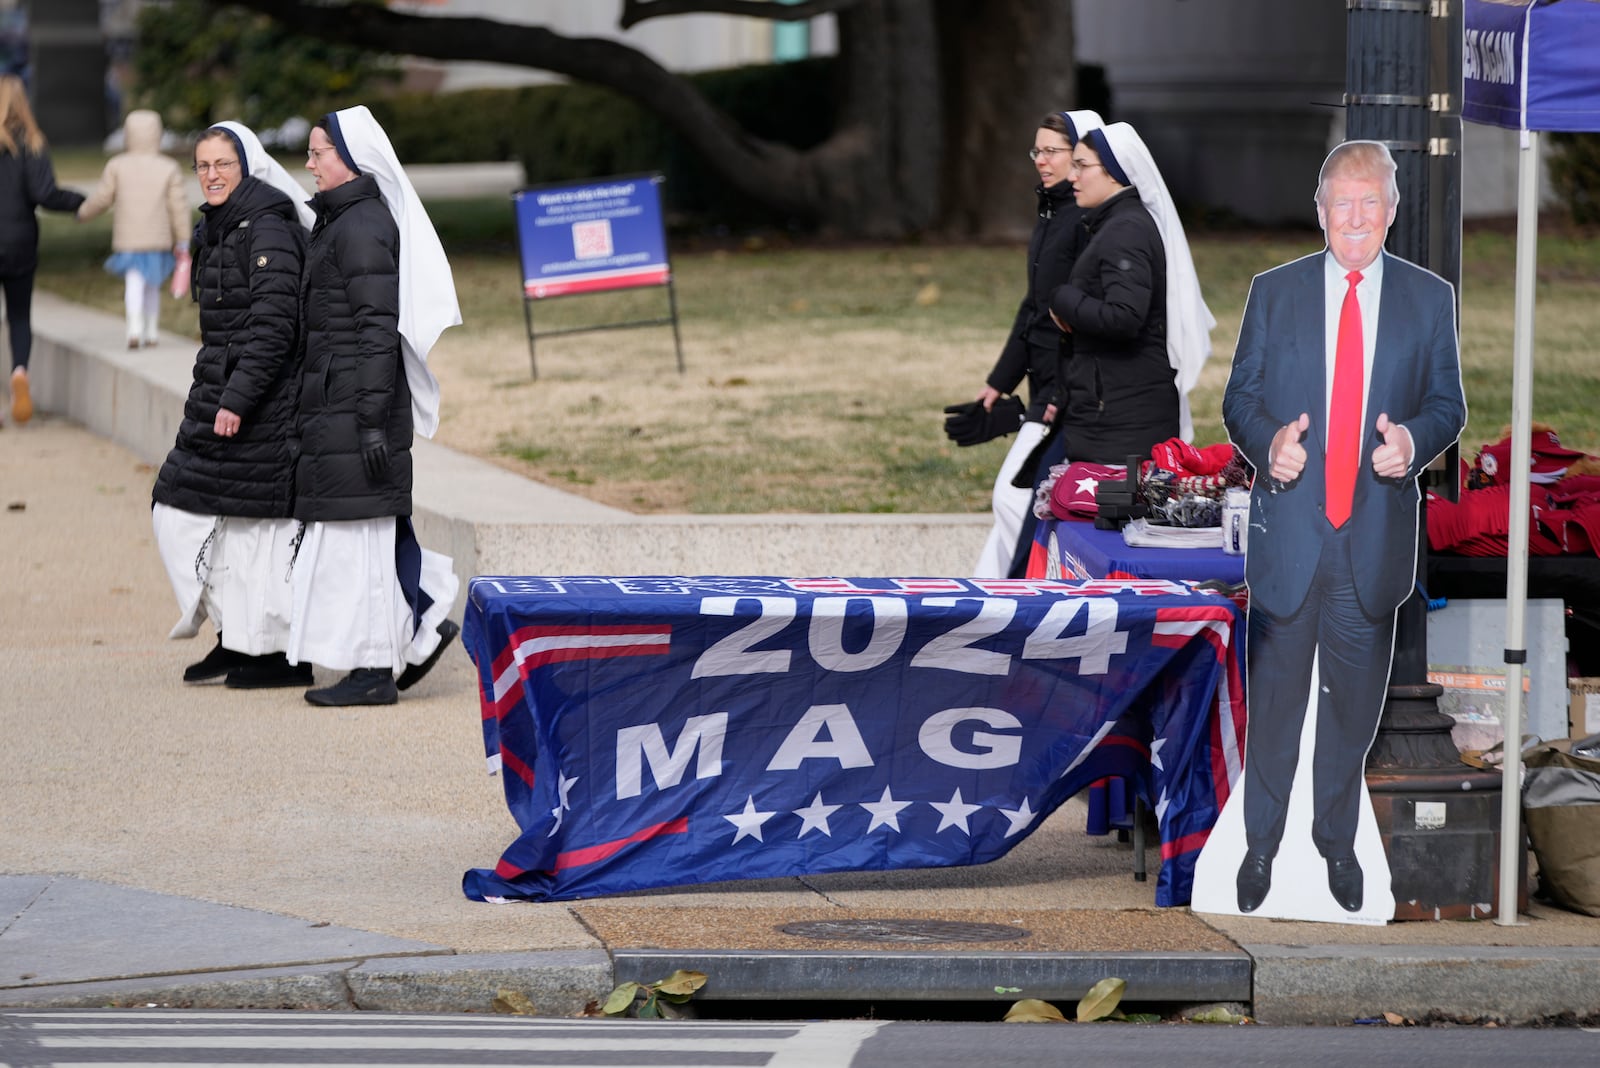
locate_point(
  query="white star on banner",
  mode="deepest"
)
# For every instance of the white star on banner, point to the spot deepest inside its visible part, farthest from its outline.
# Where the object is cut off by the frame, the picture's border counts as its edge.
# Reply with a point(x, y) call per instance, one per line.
point(563, 805)
point(815, 816)
point(749, 821)
point(1019, 817)
point(1155, 754)
point(1162, 804)
point(1088, 485)
point(885, 811)
point(954, 812)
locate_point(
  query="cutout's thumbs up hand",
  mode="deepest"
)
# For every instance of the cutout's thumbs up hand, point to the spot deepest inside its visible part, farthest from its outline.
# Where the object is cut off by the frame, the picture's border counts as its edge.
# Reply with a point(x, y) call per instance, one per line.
point(1392, 459)
point(1287, 456)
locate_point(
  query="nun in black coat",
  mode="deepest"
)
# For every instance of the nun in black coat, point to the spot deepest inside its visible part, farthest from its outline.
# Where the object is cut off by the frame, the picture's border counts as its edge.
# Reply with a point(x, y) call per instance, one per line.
point(1033, 349)
point(222, 499)
point(368, 599)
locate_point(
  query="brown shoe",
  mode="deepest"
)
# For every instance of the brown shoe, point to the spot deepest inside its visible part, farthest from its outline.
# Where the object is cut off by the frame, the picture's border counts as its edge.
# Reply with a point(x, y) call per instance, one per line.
point(21, 396)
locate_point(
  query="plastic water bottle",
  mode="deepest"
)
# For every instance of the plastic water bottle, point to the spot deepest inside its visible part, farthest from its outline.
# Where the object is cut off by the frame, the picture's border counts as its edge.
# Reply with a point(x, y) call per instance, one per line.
point(1235, 520)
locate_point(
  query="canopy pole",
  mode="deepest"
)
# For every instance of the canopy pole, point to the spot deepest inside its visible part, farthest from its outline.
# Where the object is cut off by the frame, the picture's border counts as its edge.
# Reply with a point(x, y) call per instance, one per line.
point(1517, 547)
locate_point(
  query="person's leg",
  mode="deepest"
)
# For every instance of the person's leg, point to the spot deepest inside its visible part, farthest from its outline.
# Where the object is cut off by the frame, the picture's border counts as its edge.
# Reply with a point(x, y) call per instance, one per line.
point(133, 305)
point(1278, 654)
point(19, 315)
point(1356, 651)
point(152, 311)
point(1011, 504)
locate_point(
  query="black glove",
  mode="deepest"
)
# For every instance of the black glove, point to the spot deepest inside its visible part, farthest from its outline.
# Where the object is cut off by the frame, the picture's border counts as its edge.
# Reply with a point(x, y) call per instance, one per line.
point(969, 424)
point(374, 454)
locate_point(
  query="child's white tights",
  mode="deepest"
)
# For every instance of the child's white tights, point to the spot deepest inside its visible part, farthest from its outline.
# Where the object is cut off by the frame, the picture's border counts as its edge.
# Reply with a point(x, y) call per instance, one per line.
point(142, 302)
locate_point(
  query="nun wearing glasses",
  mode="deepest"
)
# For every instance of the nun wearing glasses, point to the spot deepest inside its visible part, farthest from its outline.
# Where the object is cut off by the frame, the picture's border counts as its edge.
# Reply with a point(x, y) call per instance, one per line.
point(1033, 349)
point(1132, 304)
point(224, 496)
point(377, 293)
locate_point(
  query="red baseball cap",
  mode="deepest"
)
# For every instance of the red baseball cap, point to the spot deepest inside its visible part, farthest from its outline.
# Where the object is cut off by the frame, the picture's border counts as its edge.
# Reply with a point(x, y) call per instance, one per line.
point(1547, 462)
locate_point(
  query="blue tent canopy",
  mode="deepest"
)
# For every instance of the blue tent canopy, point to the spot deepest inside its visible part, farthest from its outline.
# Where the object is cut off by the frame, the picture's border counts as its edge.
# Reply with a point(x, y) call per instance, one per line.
point(1532, 64)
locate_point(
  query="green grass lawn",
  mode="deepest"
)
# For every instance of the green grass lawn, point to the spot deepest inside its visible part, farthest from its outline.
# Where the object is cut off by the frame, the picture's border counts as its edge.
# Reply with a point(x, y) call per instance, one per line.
point(816, 375)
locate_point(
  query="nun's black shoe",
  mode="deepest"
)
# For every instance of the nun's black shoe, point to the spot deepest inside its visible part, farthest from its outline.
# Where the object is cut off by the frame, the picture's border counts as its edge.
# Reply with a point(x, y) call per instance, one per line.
point(269, 672)
point(215, 664)
point(363, 686)
point(414, 672)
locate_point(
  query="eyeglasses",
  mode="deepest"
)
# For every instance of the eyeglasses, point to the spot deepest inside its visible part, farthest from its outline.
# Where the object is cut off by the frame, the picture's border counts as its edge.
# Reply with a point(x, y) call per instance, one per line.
point(313, 153)
point(219, 167)
point(1085, 165)
point(1048, 153)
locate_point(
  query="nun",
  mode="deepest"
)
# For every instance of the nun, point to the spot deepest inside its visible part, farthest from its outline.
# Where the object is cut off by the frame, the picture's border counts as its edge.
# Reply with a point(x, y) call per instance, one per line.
point(1033, 349)
point(377, 293)
point(223, 498)
point(1140, 328)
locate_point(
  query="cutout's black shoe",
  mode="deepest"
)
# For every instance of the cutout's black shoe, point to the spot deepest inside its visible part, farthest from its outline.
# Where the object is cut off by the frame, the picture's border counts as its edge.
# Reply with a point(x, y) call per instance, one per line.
point(363, 686)
point(269, 672)
point(1255, 879)
point(215, 664)
point(1346, 882)
point(414, 672)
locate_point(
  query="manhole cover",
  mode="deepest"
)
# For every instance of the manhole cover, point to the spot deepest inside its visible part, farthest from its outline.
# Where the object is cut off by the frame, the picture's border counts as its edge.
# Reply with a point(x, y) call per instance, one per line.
point(903, 931)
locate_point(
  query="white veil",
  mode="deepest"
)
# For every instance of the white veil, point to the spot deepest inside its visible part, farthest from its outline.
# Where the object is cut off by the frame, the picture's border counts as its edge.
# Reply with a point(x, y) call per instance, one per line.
point(260, 165)
point(1081, 122)
point(1189, 321)
point(428, 303)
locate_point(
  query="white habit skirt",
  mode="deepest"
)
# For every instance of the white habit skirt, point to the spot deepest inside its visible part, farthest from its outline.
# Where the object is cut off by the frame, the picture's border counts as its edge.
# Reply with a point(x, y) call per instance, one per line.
point(349, 611)
point(234, 571)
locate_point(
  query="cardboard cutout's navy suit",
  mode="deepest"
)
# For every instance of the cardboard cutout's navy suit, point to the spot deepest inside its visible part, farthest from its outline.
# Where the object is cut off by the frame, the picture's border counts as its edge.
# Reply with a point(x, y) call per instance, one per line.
point(1314, 588)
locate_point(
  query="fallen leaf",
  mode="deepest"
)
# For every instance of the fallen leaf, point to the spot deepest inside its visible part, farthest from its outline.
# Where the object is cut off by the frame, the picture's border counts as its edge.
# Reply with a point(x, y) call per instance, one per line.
point(928, 295)
point(1218, 1015)
point(681, 983)
point(514, 1003)
point(1395, 1019)
point(1102, 999)
point(620, 999)
point(1032, 1010)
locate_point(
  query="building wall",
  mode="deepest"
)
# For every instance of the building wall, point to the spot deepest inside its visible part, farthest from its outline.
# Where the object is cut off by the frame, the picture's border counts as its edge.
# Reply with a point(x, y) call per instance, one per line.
point(1240, 100)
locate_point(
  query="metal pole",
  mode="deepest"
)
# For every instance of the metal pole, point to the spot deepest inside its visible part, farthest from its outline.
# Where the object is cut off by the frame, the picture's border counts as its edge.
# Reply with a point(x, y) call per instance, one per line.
point(1517, 546)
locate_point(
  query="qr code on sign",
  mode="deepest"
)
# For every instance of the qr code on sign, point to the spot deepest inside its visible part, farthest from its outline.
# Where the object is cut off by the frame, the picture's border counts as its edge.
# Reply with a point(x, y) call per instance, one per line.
point(591, 240)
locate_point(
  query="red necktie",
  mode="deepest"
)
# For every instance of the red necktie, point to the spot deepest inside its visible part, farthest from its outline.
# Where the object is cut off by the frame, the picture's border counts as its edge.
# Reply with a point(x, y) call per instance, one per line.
point(1344, 412)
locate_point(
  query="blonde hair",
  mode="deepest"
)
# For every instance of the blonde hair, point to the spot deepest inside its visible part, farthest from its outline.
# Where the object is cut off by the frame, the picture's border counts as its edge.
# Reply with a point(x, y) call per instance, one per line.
point(1359, 159)
point(16, 117)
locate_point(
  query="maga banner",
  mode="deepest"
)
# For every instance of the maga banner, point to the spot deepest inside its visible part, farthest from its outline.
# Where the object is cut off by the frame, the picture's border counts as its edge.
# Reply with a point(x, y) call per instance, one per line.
point(659, 731)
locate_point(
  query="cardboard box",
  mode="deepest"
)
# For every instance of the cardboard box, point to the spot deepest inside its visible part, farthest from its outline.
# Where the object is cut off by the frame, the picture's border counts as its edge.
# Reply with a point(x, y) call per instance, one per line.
point(1583, 710)
point(1475, 697)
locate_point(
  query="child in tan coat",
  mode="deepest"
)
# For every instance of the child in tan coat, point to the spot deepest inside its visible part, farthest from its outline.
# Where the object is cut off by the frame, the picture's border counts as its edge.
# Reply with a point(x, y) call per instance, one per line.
point(150, 221)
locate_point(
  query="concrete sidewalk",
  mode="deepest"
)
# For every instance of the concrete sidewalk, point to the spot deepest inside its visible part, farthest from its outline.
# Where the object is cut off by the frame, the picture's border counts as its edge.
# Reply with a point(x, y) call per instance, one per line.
point(175, 844)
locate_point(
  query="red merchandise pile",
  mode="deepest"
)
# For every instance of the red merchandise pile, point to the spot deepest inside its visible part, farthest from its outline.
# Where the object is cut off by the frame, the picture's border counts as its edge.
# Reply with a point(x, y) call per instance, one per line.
point(1564, 502)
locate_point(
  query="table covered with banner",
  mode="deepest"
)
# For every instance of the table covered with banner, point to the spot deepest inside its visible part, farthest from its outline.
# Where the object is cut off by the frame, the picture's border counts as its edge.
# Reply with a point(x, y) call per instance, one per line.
point(660, 731)
point(1077, 549)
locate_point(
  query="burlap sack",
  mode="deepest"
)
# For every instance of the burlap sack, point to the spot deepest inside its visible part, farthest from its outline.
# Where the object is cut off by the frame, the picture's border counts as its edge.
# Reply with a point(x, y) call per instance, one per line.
point(1561, 807)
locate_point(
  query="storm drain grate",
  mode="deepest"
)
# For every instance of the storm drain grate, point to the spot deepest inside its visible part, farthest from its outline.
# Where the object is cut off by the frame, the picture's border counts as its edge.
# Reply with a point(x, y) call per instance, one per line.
point(914, 931)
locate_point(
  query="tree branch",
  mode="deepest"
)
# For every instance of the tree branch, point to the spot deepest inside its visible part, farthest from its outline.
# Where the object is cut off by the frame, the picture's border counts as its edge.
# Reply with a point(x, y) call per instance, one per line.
point(637, 11)
point(764, 169)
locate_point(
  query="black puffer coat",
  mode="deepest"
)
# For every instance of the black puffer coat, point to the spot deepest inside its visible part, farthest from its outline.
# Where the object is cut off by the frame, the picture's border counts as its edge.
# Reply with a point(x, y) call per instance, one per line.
point(247, 255)
point(352, 380)
point(1034, 348)
point(1119, 393)
point(27, 181)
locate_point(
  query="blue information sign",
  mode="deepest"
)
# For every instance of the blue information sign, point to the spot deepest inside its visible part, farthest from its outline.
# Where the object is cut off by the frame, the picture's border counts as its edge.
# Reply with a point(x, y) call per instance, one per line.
point(592, 236)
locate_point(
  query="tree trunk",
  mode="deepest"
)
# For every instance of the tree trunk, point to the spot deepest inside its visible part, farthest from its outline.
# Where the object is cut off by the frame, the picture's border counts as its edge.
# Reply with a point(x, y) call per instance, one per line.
point(1007, 63)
